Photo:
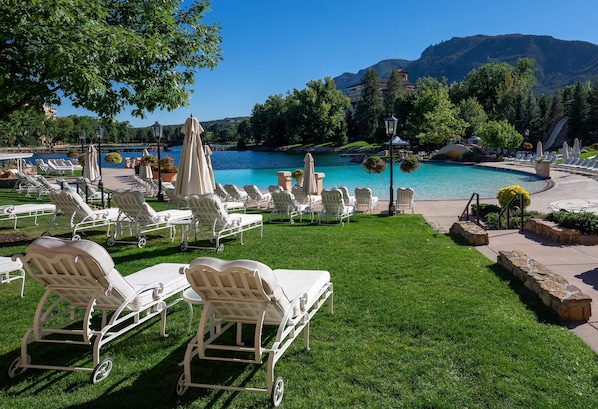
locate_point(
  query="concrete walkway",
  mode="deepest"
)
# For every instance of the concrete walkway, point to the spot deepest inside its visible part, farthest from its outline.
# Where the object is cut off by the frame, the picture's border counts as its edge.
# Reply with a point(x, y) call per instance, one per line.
point(577, 263)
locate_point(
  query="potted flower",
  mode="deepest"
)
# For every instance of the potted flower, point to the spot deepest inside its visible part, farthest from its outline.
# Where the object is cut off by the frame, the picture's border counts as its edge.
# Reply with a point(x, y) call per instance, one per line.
point(374, 164)
point(167, 169)
point(149, 160)
point(409, 164)
point(297, 174)
point(72, 153)
point(113, 157)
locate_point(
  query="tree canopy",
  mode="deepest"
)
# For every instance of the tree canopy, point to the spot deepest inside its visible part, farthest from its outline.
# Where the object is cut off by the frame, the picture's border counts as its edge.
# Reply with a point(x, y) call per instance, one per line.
point(103, 55)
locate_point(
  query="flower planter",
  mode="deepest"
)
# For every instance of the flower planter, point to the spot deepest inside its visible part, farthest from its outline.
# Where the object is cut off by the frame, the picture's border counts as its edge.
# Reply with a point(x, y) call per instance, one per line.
point(166, 177)
point(543, 169)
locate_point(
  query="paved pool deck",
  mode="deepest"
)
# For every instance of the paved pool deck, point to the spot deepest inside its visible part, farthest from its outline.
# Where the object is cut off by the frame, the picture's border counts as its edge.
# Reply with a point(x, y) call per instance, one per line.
point(577, 263)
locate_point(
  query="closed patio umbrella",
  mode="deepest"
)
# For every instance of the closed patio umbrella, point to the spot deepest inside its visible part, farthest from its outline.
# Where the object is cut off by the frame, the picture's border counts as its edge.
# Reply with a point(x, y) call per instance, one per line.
point(194, 175)
point(309, 175)
point(208, 151)
point(92, 169)
point(565, 151)
point(145, 171)
point(539, 151)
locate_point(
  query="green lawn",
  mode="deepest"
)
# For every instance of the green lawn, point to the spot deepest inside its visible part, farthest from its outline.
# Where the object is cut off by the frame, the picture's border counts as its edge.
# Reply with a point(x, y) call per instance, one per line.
point(420, 321)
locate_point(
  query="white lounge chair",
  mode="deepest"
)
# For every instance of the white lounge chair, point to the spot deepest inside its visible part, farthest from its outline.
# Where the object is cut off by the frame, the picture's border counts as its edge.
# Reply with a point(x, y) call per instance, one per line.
point(211, 221)
point(405, 199)
point(256, 195)
point(141, 217)
point(334, 207)
point(222, 193)
point(14, 212)
point(71, 206)
point(89, 192)
point(364, 200)
point(241, 292)
point(303, 198)
point(348, 199)
point(285, 206)
point(11, 270)
point(235, 193)
point(81, 283)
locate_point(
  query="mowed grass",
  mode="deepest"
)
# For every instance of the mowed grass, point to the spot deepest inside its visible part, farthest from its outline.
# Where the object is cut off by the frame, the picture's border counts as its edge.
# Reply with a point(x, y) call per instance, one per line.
point(420, 321)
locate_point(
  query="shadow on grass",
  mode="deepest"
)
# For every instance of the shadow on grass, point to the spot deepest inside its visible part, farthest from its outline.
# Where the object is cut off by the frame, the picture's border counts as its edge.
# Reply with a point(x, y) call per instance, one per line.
point(533, 303)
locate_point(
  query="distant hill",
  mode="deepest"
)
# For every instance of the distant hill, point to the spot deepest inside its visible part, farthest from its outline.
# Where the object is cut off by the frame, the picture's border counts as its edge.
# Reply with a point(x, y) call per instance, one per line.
point(558, 63)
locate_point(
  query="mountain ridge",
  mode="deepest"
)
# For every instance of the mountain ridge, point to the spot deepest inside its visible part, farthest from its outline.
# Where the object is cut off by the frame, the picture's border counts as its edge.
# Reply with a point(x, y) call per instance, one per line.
point(558, 63)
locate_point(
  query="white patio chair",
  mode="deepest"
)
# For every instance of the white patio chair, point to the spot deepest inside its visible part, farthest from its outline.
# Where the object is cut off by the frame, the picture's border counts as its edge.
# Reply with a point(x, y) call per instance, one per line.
point(348, 199)
point(14, 212)
point(404, 199)
point(88, 302)
point(364, 200)
point(246, 292)
point(285, 206)
point(334, 207)
point(79, 216)
point(256, 195)
point(212, 222)
point(141, 217)
point(11, 270)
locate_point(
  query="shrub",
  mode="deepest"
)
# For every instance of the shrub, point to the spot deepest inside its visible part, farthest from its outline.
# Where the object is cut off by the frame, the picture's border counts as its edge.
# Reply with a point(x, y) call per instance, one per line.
point(167, 165)
point(485, 209)
point(374, 164)
point(584, 222)
point(149, 160)
point(505, 194)
point(470, 157)
point(113, 157)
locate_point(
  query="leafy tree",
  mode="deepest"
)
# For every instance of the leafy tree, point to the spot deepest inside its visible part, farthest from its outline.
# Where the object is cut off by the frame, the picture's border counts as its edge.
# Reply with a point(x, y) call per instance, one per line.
point(473, 114)
point(369, 112)
point(317, 113)
point(268, 121)
point(103, 55)
point(244, 130)
point(500, 134)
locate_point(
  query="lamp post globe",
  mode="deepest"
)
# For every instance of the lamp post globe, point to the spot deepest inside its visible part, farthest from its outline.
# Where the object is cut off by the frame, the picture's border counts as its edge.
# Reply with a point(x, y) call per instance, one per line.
point(391, 130)
point(157, 130)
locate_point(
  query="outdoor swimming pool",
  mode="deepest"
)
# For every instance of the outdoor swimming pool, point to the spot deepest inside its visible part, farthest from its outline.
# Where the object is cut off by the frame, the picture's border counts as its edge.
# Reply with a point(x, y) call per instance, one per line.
point(432, 181)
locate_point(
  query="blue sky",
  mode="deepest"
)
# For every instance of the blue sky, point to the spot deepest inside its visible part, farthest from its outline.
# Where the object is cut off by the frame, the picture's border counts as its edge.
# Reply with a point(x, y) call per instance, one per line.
point(274, 46)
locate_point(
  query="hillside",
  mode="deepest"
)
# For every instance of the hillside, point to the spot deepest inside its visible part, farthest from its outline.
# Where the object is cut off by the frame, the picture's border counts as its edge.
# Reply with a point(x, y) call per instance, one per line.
point(558, 63)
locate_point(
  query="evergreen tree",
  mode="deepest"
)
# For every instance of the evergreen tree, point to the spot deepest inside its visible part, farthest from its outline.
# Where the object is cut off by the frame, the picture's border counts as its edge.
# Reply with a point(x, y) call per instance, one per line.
point(369, 111)
point(579, 114)
point(593, 118)
point(394, 89)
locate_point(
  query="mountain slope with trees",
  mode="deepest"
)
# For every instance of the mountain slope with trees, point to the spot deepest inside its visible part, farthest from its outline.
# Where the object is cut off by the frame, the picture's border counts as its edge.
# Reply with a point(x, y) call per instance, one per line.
point(558, 63)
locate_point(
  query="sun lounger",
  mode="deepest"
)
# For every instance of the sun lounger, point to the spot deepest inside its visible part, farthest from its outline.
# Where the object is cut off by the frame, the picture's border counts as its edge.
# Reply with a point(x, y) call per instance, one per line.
point(14, 212)
point(211, 221)
point(404, 199)
point(246, 292)
point(11, 270)
point(285, 206)
point(79, 216)
point(81, 283)
point(235, 193)
point(256, 195)
point(334, 207)
point(141, 217)
point(364, 201)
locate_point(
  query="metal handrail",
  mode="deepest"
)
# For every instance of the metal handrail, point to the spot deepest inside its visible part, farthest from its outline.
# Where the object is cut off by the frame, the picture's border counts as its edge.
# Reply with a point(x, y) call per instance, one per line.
point(507, 209)
point(465, 214)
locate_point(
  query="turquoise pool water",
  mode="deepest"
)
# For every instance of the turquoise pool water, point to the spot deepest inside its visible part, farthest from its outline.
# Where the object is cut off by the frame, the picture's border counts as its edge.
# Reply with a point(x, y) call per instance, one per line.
point(432, 181)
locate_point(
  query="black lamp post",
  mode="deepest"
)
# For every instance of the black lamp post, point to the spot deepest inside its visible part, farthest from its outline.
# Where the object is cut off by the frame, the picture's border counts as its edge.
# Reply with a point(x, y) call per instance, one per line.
point(100, 136)
point(391, 131)
point(157, 129)
point(82, 141)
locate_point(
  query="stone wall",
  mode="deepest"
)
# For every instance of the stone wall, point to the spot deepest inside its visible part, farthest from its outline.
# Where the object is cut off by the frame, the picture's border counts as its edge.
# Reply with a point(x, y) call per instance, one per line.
point(555, 292)
point(474, 234)
point(552, 231)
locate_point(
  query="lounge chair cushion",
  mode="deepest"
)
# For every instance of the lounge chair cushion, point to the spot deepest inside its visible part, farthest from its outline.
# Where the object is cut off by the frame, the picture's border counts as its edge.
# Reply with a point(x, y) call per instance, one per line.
point(165, 273)
point(298, 282)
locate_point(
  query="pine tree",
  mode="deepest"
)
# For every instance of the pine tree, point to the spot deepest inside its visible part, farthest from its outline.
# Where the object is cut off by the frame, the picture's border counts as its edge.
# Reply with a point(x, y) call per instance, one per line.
point(579, 114)
point(370, 108)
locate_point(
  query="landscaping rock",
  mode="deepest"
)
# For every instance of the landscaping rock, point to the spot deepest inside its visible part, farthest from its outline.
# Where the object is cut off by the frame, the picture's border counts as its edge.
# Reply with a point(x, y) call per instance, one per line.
point(474, 234)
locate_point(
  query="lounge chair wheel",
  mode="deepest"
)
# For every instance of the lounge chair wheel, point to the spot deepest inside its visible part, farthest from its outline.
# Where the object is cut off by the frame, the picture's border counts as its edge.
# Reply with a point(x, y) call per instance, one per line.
point(76, 237)
point(14, 370)
point(277, 391)
point(102, 370)
point(110, 241)
point(184, 246)
point(179, 388)
point(141, 243)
